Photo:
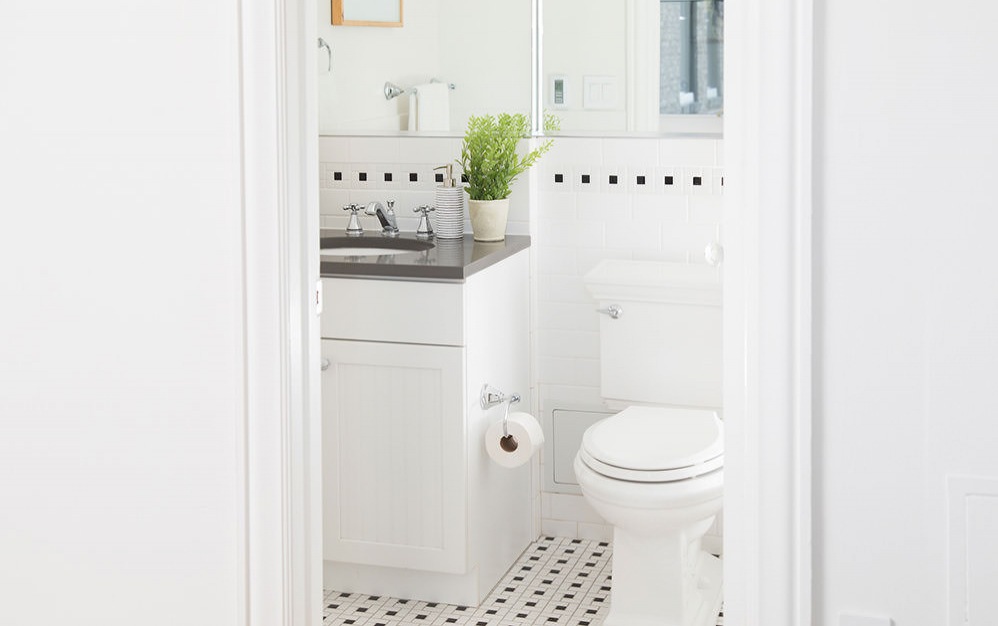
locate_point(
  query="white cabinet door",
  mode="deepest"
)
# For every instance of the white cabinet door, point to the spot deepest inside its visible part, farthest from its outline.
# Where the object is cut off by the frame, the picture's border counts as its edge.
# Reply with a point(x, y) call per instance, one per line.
point(394, 455)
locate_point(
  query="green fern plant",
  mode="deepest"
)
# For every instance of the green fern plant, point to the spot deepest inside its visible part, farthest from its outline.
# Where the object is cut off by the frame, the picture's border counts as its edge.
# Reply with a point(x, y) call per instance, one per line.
point(488, 154)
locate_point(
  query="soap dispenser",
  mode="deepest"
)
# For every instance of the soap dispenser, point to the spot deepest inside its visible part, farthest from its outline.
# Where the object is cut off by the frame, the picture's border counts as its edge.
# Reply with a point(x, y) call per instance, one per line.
point(449, 198)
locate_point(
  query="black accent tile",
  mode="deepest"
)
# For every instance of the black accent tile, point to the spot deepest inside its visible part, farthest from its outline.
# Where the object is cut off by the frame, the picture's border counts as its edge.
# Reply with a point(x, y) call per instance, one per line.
point(464, 178)
point(337, 175)
point(491, 612)
point(388, 177)
point(604, 588)
point(576, 585)
point(535, 558)
point(599, 599)
point(432, 604)
point(510, 589)
point(361, 609)
point(722, 181)
point(547, 539)
point(561, 607)
point(604, 544)
point(559, 178)
point(583, 623)
point(420, 617)
point(451, 620)
point(668, 180)
point(546, 582)
point(461, 608)
point(362, 176)
point(539, 592)
point(438, 178)
point(480, 623)
point(349, 621)
point(697, 181)
point(590, 564)
point(392, 613)
point(518, 578)
point(526, 568)
point(333, 606)
point(500, 600)
point(568, 596)
point(640, 180)
point(576, 541)
point(552, 619)
point(413, 177)
point(374, 598)
point(562, 561)
point(585, 179)
point(591, 611)
point(542, 548)
point(613, 181)
point(521, 615)
point(344, 595)
point(531, 603)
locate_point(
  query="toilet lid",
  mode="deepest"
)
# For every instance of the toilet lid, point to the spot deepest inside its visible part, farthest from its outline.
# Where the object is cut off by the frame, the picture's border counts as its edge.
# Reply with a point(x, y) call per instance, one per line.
point(654, 444)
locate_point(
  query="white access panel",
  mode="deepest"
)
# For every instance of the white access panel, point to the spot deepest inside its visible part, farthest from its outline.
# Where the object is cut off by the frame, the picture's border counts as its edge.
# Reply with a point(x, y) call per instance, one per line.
point(566, 428)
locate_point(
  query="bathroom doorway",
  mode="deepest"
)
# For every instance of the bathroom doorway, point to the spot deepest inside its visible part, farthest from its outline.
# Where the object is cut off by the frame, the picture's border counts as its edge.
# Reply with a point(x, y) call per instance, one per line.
point(768, 497)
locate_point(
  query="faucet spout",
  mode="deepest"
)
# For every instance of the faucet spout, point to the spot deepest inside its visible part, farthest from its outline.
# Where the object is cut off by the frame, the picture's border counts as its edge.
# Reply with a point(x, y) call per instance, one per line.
point(389, 228)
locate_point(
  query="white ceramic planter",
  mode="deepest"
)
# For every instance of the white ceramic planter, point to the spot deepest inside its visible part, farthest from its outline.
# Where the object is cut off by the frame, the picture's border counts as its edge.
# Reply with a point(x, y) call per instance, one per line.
point(488, 219)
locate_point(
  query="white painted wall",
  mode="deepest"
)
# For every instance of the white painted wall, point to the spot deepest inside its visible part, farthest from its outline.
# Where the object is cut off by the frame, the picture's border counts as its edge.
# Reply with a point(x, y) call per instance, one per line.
point(906, 305)
point(121, 325)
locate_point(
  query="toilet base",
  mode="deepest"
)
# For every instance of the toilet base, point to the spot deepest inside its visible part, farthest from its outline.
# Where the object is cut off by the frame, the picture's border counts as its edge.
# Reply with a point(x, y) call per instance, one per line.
point(654, 591)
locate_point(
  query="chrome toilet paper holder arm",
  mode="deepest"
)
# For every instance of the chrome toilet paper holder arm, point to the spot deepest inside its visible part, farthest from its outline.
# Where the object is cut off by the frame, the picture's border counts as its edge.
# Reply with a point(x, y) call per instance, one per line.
point(492, 396)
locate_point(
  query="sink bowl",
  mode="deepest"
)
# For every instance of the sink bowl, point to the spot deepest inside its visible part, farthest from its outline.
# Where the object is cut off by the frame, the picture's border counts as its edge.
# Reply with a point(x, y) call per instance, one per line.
point(370, 246)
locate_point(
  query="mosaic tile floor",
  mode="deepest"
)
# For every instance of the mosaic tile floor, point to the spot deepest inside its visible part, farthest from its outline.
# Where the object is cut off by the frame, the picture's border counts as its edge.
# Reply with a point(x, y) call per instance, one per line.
point(555, 582)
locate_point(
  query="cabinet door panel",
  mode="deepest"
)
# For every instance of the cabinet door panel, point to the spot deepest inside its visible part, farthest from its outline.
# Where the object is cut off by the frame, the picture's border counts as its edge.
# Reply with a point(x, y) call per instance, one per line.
point(393, 455)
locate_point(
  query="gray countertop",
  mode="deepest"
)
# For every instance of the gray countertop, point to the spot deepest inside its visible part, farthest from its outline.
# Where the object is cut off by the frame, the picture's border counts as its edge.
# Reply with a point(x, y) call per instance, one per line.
point(448, 259)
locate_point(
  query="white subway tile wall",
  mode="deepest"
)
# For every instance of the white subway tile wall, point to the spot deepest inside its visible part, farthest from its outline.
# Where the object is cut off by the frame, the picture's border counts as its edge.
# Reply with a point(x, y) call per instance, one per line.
point(588, 199)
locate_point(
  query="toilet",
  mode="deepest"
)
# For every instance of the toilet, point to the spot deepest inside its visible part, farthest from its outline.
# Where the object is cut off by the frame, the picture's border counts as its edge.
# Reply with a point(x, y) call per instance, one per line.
point(655, 469)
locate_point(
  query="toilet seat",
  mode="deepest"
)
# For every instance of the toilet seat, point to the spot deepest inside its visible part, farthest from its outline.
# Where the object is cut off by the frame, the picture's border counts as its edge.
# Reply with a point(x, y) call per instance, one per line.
point(655, 444)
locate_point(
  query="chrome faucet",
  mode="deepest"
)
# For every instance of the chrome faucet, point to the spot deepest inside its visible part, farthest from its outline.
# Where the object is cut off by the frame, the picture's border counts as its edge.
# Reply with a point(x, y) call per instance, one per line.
point(389, 228)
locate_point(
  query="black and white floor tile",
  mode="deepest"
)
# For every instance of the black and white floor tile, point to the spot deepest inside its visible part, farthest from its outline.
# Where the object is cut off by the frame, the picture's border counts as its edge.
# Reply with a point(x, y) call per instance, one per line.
point(556, 582)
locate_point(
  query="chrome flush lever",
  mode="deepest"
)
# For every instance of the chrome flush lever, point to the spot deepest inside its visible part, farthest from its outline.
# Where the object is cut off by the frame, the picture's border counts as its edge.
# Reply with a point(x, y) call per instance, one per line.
point(614, 311)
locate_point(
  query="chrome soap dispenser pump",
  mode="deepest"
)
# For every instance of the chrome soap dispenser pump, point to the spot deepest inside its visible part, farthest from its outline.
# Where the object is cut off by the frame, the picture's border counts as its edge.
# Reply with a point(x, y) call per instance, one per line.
point(449, 199)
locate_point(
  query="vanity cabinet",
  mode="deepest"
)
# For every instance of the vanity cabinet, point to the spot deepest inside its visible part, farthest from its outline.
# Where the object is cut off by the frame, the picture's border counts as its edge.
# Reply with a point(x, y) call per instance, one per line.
point(412, 505)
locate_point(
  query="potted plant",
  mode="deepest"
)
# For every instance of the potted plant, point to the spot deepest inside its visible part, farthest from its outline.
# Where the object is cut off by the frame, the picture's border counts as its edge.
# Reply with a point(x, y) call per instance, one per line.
point(491, 164)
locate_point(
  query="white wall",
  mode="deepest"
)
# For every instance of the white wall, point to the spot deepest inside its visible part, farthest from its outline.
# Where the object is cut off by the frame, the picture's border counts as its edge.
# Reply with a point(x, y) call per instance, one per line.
point(905, 312)
point(120, 330)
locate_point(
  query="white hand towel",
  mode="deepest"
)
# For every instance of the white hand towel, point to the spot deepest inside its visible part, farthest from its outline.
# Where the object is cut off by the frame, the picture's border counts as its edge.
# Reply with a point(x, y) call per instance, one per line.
point(412, 110)
point(432, 106)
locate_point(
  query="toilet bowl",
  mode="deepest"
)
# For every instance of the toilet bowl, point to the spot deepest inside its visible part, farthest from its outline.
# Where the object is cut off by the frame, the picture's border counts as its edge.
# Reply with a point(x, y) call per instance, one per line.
point(656, 475)
point(655, 470)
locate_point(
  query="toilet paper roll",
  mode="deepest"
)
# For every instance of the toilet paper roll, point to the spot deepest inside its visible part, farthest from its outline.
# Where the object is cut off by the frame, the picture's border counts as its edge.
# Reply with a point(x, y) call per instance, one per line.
point(526, 433)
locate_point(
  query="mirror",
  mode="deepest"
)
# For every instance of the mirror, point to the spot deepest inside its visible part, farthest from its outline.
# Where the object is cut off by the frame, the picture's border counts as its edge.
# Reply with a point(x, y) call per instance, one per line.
point(600, 69)
point(367, 12)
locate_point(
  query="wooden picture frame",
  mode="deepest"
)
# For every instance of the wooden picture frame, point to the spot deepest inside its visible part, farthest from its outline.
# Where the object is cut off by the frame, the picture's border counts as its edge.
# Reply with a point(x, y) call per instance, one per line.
point(367, 13)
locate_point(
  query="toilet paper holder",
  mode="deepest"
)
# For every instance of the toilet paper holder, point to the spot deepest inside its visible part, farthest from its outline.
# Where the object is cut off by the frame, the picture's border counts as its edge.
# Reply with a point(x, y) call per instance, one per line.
point(492, 396)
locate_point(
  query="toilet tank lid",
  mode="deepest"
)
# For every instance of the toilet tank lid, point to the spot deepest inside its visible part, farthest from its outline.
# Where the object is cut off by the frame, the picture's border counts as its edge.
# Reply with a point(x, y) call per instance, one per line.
point(654, 281)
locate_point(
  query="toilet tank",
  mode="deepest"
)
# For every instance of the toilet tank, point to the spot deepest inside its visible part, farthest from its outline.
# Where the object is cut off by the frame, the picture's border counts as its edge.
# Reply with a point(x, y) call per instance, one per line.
point(664, 346)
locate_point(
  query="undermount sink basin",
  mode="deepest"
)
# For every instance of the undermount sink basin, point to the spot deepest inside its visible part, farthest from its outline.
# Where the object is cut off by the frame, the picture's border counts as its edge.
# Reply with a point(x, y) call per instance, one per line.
point(369, 246)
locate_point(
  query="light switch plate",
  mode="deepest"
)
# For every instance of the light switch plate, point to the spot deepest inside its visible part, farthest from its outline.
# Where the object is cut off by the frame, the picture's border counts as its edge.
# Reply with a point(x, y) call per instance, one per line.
point(599, 92)
point(864, 620)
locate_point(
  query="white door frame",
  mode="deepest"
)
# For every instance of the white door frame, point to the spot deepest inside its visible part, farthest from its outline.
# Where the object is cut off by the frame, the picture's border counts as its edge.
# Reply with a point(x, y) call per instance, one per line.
point(767, 311)
point(282, 533)
point(767, 320)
